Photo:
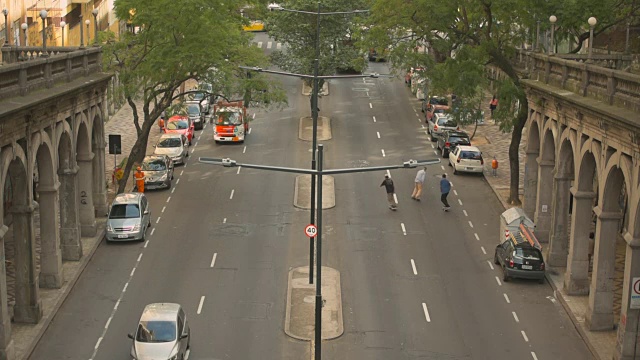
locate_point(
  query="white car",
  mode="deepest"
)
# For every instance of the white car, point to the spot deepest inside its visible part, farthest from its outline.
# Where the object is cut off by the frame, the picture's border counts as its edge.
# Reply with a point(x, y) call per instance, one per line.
point(174, 146)
point(465, 158)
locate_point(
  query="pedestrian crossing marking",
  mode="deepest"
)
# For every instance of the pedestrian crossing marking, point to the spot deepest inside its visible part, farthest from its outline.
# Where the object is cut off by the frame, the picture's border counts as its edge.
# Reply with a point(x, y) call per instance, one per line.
point(278, 46)
point(259, 44)
point(269, 45)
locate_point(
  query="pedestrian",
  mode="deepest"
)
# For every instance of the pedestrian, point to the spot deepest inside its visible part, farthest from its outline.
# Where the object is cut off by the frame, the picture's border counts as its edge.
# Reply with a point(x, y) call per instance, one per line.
point(388, 185)
point(493, 105)
point(418, 183)
point(445, 187)
point(139, 175)
point(494, 166)
point(161, 121)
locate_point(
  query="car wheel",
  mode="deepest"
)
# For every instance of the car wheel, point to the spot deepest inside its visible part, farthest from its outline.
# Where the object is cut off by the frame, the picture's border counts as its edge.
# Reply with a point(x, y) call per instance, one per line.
point(444, 154)
point(432, 138)
point(505, 277)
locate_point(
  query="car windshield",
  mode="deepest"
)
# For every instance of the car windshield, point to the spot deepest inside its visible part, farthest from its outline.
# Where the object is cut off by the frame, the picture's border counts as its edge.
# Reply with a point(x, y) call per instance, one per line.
point(471, 155)
point(177, 125)
point(458, 139)
point(124, 211)
point(527, 253)
point(193, 109)
point(438, 101)
point(439, 111)
point(169, 143)
point(198, 96)
point(229, 118)
point(448, 122)
point(156, 331)
point(154, 165)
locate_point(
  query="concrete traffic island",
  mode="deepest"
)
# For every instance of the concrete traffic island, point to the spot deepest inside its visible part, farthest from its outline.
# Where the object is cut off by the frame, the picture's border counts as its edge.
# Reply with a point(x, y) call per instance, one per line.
point(306, 89)
point(302, 192)
point(300, 311)
point(305, 129)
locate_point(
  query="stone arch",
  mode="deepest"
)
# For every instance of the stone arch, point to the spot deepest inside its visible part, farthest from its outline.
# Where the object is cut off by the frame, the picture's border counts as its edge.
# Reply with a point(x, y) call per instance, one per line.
point(99, 195)
point(84, 157)
point(71, 246)
point(531, 165)
point(47, 225)
point(546, 165)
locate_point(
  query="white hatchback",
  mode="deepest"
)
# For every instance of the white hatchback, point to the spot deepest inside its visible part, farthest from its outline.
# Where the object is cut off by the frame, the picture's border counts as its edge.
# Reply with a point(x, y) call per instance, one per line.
point(466, 159)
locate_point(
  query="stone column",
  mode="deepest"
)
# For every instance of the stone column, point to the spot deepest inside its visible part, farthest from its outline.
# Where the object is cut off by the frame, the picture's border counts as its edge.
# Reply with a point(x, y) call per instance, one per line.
point(600, 313)
point(28, 307)
point(542, 216)
point(69, 215)
point(576, 277)
point(530, 183)
point(85, 185)
point(50, 256)
point(7, 349)
point(99, 180)
point(559, 236)
point(627, 329)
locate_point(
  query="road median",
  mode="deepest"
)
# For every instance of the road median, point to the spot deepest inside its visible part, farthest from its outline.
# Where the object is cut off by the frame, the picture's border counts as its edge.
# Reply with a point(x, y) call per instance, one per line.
point(305, 129)
point(302, 192)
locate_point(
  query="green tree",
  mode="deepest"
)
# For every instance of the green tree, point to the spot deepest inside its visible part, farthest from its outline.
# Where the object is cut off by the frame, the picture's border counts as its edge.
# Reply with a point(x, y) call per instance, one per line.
point(464, 36)
point(176, 41)
point(298, 31)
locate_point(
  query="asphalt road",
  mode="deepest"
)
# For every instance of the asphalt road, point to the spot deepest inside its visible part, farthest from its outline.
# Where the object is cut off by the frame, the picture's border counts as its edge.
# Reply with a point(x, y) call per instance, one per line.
point(416, 283)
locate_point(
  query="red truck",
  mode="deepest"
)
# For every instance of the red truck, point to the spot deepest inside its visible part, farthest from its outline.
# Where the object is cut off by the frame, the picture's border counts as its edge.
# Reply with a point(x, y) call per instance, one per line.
point(231, 122)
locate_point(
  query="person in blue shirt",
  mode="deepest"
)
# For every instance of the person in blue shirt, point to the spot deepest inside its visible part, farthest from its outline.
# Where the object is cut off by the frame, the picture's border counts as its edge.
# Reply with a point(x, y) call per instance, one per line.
point(445, 187)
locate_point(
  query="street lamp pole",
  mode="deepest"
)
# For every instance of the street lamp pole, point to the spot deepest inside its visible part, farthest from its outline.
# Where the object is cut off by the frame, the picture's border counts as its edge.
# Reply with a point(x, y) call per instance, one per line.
point(592, 23)
point(5, 12)
point(537, 48)
point(43, 15)
point(24, 28)
point(95, 26)
point(318, 309)
point(87, 22)
point(314, 141)
point(62, 25)
point(552, 20)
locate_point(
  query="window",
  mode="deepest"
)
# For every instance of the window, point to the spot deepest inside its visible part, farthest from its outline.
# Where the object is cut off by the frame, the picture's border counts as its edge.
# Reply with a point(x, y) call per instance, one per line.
point(156, 331)
point(458, 140)
point(124, 211)
point(177, 125)
point(193, 109)
point(229, 118)
point(471, 155)
point(528, 253)
point(155, 164)
point(169, 143)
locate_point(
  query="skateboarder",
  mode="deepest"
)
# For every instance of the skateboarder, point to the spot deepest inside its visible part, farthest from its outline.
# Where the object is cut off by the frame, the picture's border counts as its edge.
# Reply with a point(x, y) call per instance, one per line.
point(417, 188)
point(445, 187)
point(388, 185)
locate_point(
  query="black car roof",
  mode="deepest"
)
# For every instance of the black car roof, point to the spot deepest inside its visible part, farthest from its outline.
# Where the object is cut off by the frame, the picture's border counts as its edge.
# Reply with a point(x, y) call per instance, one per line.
point(457, 133)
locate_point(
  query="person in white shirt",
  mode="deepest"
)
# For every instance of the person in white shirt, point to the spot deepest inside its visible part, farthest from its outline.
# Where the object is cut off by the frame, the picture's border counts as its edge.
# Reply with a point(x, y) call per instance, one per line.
point(417, 189)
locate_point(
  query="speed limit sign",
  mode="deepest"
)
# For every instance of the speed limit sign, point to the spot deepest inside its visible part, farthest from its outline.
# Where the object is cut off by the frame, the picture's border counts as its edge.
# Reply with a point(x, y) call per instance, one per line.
point(311, 230)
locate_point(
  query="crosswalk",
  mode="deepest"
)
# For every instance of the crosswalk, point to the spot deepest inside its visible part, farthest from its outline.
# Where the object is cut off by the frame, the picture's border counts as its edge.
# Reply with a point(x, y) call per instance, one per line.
point(268, 45)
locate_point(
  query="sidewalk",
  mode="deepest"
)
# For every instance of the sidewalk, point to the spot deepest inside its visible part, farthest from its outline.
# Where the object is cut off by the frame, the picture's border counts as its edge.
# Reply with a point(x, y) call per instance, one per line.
point(491, 141)
point(26, 336)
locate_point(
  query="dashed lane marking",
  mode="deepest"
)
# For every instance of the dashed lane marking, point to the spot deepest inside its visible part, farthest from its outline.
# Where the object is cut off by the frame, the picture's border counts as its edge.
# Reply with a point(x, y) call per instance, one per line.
point(506, 298)
point(181, 172)
point(231, 196)
point(139, 257)
point(404, 230)
point(533, 355)
point(132, 272)
point(476, 235)
point(490, 264)
point(389, 173)
point(465, 212)
point(163, 209)
point(498, 281)
point(244, 150)
point(435, 152)
point(224, 221)
point(413, 266)
point(454, 191)
point(426, 312)
point(515, 316)
point(442, 167)
point(249, 132)
point(459, 201)
point(239, 167)
point(178, 181)
point(213, 260)
point(152, 231)
point(370, 106)
point(378, 133)
point(173, 190)
point(470, 224)
point(200, 305)
point(395, 198)
point(483, 250)
point(383, 154)
point(524, 335)
point(374, 119)
point(158, 220)
point(146, 243)
point(169, 199)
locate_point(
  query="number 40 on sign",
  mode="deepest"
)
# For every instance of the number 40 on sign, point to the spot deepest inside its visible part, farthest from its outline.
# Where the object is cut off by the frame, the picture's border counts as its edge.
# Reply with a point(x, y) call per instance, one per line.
point(311, 230)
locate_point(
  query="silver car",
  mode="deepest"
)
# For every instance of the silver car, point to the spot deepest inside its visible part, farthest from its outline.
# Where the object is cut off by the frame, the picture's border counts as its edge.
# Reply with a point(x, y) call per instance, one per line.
point(129, 217)
point(162, 334)
point(441, 123)
point(158, 172)
point(174, 146)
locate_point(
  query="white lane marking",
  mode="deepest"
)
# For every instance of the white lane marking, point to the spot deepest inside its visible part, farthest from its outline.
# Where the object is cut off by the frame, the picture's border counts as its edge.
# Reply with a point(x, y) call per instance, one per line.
point(433, 147)
point(200, 305)
point(498, 281)
point(413, 266)
point(278, 46)
point(426, 312)
point(490, 264)
point(415, 111)
point(483, 250)
point(269, 45)
point(139, 257)
point(378, 133)
point(192, 150)
point(370, 106)
point(224, 221)
point(470, 223)
point(132, 272)
point(524, 335)
point(383, 154)
point(152, 231)
point(124, 289)
point(199, 138)
point(164, 208)
point(185, 164)
point(178, 181)
point(239, 167)
point(158, 219)
point(451, 182)
point(259, 44)
point(106, 326)
point(253, 117)
point(422, 126)
point(533, 355)
point(465, 212)
point(389, 173)
point(169, 199)
point(181, 172)
point(195, 144)
point(515, 316)
point(213, 261)
point(146, 243)
point(454, 191)
point(374, 119)
point(442, 167)
point(173, 190)
point(116, 305)
point(506, 298)
point(249, 132)
point(427, 133)
point(395, 198)
point(98, 343)
point(476, 235)
point(418, 118)
point(404, 230)
point(231, 196)
point(244, 150)
point(435, 152)
point(460, 202)
point(367, 94)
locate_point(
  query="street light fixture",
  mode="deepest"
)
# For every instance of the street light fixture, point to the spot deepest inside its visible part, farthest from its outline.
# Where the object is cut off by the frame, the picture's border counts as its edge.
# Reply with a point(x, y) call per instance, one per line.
point(43, 16)
point(24, 27)
point(537, 48)
point(62, 25)
point(552, 20)
point(592, 23)
point(5, 12)
point(95, 26)
point(87, 22)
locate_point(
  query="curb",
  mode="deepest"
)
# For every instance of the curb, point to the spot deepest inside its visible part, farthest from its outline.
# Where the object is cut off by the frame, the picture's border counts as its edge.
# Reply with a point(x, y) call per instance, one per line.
point(72, 283)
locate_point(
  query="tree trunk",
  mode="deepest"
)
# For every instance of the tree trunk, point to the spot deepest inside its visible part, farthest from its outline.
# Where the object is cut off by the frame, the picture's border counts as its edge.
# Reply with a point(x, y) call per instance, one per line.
point(514, 147)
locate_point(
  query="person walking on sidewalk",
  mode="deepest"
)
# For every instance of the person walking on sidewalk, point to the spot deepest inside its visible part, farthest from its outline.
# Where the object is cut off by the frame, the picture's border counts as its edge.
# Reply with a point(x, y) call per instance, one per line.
point(139, 175)
point(445, 187)
point(493, 105)
point(419, 182)
point(388, 185)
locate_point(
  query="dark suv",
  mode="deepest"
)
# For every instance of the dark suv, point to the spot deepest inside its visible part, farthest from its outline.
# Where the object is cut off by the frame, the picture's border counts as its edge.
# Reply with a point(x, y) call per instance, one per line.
point(451, 139)
point(519, 259)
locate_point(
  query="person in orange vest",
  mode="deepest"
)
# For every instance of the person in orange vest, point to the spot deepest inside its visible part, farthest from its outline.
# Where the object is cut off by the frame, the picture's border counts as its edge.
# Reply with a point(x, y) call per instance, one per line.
point(493, 105)
point(139, 175)
point(161, 121)
point(494, 166)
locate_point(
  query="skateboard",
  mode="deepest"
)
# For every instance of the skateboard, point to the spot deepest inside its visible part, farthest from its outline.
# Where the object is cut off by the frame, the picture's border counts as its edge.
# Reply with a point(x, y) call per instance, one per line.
point(393, 208)
point(444, 208)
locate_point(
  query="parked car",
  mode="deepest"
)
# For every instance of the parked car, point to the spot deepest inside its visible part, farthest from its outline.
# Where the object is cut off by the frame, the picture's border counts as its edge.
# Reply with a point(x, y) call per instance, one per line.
point(158, 171)
point(203, 97)
point(129, 217)
point(439, 124)
point(436, 109)
point(196, 115)
point(451, 139)
point(173, 145)
point(180, 124)
point(163, 333)
point(433, 100)
point(520, 258)
point(465, 158)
